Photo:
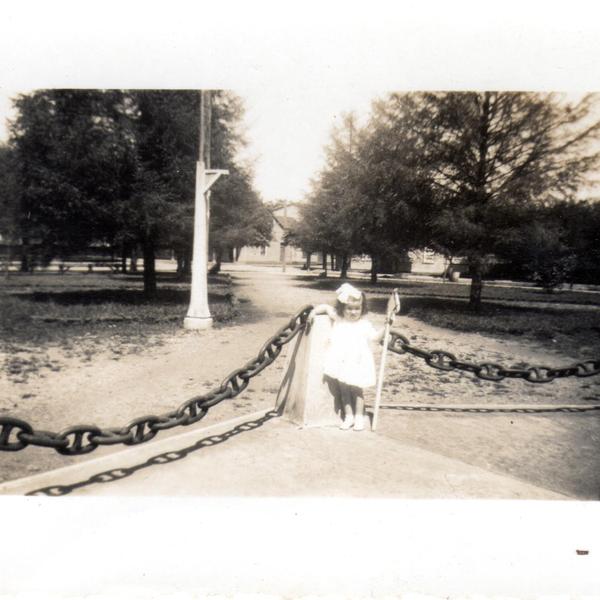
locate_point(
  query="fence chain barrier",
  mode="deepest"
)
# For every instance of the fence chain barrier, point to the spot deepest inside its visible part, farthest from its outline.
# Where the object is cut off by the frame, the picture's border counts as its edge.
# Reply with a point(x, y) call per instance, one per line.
point(446, 361)
point(16, 434)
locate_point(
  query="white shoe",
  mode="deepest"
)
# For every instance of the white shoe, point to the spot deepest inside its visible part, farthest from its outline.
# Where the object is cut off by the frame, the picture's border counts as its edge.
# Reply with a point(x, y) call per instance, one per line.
point(346, 424)
point(359, 424)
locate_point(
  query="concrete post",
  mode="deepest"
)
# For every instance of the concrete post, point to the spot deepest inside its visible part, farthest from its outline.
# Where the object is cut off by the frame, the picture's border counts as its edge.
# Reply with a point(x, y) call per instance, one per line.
point(304, 397)
point(198, 315)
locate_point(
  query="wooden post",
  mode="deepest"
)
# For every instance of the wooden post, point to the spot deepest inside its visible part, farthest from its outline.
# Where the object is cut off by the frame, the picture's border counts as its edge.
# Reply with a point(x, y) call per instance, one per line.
point(393, 307)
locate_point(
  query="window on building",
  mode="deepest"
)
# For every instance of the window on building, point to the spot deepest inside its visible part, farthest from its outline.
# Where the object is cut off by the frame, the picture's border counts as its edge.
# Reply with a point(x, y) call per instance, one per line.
point(428, 257)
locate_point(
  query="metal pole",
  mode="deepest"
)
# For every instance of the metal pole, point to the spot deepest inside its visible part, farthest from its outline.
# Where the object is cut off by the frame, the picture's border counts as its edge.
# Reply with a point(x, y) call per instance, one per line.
point(198, 315)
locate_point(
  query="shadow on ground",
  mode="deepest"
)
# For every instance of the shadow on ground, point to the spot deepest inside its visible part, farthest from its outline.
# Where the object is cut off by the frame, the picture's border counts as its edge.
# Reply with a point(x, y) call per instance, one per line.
point(118, 296)
point(456, 290)
point(171, 290)
point(155, 461)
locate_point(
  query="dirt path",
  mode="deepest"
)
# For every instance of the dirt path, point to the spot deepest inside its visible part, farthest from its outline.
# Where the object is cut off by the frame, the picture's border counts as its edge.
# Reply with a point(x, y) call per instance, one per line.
point(555, 450)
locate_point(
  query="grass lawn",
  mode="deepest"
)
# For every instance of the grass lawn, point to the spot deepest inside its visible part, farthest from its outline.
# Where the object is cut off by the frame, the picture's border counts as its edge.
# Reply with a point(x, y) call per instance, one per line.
point(85, 313)
point(568, 320)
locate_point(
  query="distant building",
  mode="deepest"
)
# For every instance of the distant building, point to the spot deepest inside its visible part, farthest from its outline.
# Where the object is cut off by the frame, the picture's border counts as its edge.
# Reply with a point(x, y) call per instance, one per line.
point(276, 252)
point(426, 262)
point(417, 262)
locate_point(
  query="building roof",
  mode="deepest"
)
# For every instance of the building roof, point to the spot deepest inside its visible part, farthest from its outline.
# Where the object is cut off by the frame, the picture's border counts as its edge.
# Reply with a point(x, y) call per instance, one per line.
point(285, 222)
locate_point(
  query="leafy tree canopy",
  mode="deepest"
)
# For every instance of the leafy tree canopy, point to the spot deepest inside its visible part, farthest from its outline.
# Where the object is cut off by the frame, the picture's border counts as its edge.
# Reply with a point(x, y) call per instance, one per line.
point(118, 166)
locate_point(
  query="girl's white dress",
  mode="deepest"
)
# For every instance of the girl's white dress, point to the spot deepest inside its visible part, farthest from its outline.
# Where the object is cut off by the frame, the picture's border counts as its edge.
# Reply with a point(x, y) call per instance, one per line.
point(348, 357)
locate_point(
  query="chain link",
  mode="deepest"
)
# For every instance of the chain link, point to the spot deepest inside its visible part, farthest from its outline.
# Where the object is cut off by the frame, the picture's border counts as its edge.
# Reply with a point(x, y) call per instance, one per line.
point(16, 434)
point(439, 359)
point(78, 438)
point(8, 425)
point(588, 368)
point(446, 361)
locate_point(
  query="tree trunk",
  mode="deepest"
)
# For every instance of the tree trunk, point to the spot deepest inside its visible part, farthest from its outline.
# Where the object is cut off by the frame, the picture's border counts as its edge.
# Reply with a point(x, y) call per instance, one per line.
point(374, 268)
point(344, 266)
point(184, 263)
point(149, 269)
point(476, 285)
point(133, 268)
point(9, 257)
point(180, 262)
point(25, 259)
point(124, 258)
point(307, 263)
point(324, 257)
point(187, 261)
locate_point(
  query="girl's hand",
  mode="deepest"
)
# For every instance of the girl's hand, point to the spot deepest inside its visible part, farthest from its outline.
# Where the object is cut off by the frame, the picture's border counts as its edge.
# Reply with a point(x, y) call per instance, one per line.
point(322, 309)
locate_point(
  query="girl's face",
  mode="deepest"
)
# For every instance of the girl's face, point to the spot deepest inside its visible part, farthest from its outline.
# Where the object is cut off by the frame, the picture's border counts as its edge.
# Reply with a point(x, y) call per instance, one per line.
point(353, 310)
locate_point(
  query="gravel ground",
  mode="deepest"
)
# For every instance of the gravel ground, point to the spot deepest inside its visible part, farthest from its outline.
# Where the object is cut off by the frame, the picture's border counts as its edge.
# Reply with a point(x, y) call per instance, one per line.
point(556, 450)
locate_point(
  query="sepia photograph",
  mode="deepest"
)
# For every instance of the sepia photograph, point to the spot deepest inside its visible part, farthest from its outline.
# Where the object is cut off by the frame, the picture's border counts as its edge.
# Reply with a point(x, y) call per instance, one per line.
point(318, 312)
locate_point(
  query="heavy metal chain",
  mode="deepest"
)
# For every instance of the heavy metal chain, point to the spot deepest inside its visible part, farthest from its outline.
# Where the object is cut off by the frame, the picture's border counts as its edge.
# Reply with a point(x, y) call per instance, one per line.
point(446, 361)
point(16, 434)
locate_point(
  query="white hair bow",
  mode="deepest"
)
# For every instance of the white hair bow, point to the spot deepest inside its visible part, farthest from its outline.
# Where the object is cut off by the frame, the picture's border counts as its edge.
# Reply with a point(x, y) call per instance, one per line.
point(346, 291)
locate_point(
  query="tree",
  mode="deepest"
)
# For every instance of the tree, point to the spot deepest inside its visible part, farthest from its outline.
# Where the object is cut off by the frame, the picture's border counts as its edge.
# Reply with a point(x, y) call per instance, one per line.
point(489, 157)
point(238, 218)
point(75, 165)
point(119, 166)
point(237, 215)
point(327, 221)
point(581, 223)
point(160, 206)
point(541, 248)
point(370, 198)
point(394, 199)
point(310, 231)
point(9, 200)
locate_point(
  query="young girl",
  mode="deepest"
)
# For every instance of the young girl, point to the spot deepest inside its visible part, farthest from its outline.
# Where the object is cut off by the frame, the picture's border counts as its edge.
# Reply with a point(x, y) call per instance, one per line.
point(348, 357)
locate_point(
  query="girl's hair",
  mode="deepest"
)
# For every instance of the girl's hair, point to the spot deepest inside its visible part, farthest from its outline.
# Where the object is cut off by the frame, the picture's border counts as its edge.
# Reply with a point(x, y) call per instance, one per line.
point(339, 306)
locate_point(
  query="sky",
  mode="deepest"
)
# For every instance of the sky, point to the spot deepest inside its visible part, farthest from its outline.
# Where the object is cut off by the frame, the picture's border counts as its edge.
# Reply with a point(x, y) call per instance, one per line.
point(288, 130)
point(299, 68)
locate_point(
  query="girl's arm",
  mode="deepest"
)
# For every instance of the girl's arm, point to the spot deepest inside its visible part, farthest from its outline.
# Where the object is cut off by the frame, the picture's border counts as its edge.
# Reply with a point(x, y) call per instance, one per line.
point(323, 309)
point(379, 333)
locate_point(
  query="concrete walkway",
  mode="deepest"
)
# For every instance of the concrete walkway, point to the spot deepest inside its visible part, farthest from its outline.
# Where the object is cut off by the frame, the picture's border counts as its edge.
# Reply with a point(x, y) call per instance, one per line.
point(265, 455)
